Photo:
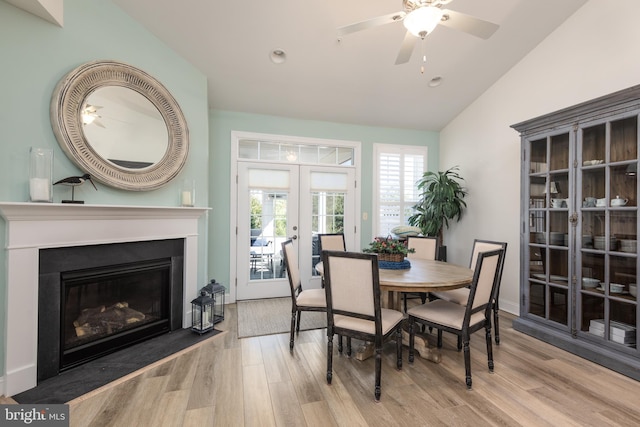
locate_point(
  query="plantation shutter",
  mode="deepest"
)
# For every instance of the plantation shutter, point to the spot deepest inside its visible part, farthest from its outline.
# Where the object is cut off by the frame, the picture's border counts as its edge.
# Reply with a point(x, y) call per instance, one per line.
point(398, 169)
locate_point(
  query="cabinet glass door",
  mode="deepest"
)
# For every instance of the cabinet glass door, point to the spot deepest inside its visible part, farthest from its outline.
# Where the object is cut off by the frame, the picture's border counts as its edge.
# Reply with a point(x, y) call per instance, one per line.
point(608, 220)
point(550, 236)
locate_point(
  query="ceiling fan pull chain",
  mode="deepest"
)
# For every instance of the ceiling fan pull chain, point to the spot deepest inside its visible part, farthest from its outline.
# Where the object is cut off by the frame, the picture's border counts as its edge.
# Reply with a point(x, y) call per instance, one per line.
point(424, 58)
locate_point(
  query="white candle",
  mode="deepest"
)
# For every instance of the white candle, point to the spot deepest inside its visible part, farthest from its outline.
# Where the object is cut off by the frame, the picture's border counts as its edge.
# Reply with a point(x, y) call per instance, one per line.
point(186, 198)
point(39, 190)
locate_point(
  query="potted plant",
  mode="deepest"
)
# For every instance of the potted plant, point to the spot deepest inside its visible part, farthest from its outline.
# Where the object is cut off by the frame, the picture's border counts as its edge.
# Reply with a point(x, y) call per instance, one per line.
point(389, 249)
point(441, 200)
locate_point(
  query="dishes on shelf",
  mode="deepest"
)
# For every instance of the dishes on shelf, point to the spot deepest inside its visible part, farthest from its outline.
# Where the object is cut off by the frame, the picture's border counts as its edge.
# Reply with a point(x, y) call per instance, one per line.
point(556, 238)
point(556, 278)
point(628, 245)
point(587, 241)
point(618, 201)
point(592, 162)
point(599, 242)
point(633, 289)
point(615, 288)
point(590, 282)
point(619, 332)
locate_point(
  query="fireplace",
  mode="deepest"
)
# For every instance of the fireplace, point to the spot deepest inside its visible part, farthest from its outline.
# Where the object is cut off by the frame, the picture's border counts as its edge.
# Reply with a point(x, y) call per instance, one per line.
point(34, 229)
point(97, 299)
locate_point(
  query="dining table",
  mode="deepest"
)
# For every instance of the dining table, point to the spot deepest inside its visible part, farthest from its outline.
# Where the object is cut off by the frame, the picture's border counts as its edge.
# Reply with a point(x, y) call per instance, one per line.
point(422, 276)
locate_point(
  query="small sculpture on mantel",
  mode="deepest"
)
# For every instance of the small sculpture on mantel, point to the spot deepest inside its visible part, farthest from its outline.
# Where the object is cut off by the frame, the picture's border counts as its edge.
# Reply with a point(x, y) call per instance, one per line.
point(73, 182)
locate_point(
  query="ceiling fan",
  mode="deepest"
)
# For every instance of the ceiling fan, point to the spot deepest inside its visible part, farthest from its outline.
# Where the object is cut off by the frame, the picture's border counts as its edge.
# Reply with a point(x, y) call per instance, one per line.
point(420, 18)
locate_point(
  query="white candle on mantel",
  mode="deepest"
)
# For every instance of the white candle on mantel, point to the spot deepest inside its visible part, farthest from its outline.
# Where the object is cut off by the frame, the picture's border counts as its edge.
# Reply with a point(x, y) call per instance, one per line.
point(39, 189)
point(186, 198)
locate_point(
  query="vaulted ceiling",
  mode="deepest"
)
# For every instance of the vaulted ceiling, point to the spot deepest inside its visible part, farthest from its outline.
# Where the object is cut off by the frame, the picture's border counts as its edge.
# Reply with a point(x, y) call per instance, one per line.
point(351, 79)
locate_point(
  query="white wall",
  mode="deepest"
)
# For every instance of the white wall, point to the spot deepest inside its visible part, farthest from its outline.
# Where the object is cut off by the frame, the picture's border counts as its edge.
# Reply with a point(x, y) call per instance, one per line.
point(595, 52)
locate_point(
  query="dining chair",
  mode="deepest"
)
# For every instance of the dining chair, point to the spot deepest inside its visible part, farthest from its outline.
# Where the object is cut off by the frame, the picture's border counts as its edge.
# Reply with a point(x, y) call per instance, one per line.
point(463, 320)
point(460, 296)
point(425, 248)
point(332, 242)
point(301, 299)
point(354, 307)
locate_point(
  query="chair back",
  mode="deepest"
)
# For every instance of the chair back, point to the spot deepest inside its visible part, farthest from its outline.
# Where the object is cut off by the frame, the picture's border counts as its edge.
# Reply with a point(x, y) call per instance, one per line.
point(488, 245)
point(291, 264)
point(332, 242)
point(352, 285)
point(483, 246)
point(484, 285)
point(425, 247)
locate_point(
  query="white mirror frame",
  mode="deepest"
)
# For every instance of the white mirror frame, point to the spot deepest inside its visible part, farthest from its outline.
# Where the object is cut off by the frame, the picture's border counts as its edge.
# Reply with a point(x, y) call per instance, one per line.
point(67, 102)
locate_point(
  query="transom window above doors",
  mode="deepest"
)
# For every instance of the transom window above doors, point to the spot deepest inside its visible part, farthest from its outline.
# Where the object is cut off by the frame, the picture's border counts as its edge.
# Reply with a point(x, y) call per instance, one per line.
point(295, 152)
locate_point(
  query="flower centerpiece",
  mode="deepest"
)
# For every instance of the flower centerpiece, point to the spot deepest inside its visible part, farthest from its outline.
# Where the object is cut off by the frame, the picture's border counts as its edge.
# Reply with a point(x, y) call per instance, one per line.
point(389, 249)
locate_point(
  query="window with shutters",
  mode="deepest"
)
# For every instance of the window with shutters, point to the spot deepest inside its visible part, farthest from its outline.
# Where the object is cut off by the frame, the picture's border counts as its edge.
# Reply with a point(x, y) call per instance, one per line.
point(397, 167)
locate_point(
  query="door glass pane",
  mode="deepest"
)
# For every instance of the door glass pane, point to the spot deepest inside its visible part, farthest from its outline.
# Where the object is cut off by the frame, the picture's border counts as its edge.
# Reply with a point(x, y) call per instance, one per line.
point(592, 314)
point(560, 152)
point(536, 299)
point(268, 230)
point(593, 187)
point(537, 192)
point(592, 268)
point(593, 145)
point(622, 328)
point(558, 305)
point(558, 266)
point(624, 134)
point(623, 187)
point(327, 217)
point(538, 156)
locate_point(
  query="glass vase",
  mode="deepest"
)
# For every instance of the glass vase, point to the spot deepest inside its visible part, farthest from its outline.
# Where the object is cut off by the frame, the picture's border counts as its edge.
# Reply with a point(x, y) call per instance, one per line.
point(41, 175)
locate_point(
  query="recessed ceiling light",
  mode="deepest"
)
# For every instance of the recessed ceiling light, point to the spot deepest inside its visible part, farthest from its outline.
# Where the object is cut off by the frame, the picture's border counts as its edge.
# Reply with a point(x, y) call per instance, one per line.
point(436, 81)
point(278, 56)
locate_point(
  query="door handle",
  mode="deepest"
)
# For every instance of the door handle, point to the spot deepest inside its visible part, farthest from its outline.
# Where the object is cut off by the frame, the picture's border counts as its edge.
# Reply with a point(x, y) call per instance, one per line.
point(294, 237)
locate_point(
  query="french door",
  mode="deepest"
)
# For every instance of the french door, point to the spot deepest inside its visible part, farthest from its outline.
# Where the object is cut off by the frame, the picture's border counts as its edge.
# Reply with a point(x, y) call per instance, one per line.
point(277, 202)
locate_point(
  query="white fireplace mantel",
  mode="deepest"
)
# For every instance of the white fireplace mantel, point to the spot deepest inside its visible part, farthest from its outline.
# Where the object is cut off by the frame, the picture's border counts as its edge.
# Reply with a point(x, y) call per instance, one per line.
point(34, 226)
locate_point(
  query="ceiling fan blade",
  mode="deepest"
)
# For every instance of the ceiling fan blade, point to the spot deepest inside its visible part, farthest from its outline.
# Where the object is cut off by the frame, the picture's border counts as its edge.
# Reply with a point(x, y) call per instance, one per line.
point(374, 22)
point(469, 24)
point(406, 49)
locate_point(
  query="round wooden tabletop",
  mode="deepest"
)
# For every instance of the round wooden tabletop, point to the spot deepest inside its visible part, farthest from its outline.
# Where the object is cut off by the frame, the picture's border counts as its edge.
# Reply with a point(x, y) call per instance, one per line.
point(426, 276)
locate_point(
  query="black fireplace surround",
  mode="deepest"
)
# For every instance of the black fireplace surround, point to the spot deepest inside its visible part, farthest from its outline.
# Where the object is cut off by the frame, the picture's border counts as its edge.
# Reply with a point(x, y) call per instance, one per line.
point(152, 268)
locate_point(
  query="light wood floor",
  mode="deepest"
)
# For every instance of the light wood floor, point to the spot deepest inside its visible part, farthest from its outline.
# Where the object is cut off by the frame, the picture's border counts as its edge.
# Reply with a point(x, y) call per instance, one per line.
point(258, 382)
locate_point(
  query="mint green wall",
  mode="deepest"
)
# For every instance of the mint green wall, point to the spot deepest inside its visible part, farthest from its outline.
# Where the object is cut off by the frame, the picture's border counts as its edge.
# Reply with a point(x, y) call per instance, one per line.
point(221, 123)
point(36, 54)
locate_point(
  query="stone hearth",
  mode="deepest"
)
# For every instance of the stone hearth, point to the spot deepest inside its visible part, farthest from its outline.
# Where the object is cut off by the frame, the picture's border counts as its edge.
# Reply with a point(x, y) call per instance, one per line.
point(33, 226)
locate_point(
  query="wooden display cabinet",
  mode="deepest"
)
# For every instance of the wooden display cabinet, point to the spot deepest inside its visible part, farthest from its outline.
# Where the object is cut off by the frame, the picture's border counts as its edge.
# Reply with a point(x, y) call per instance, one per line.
point(579, 211)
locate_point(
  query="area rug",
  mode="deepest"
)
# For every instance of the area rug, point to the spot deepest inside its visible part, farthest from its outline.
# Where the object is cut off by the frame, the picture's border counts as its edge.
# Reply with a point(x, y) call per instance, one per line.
point(97, 373)
point(273, 316)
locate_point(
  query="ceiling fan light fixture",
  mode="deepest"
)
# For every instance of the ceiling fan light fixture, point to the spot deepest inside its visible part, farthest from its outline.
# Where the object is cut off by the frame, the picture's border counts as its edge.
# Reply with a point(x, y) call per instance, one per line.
point(423, 20)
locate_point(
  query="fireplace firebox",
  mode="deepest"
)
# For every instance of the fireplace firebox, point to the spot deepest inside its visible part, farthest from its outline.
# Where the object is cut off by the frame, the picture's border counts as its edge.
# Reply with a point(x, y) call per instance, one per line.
point(110, 308)
point(94, 300)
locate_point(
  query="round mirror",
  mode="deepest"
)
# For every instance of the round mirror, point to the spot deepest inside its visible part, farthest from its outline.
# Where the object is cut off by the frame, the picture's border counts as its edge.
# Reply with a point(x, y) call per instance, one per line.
point(120, 125)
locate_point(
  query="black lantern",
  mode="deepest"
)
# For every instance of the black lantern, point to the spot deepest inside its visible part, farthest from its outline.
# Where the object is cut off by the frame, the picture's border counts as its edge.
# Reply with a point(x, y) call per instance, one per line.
point(202, 313)
point(216, 291)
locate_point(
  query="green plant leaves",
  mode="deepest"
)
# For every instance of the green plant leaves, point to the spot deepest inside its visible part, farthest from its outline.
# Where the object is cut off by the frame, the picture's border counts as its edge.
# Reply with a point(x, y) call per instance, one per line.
point(441, 200)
